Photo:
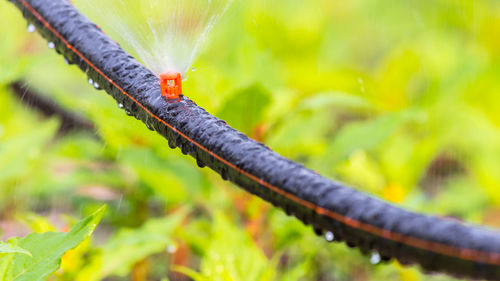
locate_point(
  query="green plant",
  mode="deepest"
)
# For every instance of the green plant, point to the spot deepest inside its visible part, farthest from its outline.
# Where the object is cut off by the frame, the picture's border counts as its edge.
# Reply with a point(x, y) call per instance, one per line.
point(38, 255)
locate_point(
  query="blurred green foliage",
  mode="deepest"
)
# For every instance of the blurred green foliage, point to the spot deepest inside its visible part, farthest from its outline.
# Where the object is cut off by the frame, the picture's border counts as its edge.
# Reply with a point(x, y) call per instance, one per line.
point(36, 256)
point(395, 98)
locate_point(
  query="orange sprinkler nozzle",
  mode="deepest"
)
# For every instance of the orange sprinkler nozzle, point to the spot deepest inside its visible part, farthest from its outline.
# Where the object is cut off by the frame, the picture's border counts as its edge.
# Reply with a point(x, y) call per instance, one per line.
point(171, 84)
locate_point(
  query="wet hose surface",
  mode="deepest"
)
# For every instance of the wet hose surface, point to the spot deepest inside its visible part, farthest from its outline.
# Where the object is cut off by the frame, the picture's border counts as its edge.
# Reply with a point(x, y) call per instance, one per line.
point(356, 218)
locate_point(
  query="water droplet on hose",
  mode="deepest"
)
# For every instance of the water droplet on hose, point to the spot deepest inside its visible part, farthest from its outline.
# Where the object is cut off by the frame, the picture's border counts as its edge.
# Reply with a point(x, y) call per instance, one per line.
point(193, 69)
point(329, 236)
point(31, 28)
point(51, 45)
point(375, 258)
point(91, 82)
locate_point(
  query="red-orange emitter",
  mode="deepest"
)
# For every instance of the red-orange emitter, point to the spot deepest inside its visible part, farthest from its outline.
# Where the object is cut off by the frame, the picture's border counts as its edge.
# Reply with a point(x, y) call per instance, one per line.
point(171, 85)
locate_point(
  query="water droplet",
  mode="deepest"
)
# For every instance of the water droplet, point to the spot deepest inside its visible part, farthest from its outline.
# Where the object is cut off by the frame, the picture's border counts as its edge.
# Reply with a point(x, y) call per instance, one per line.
point(193, 69)
point(121, 196)
point(31, 28)
point(96, 85)
point(51, 45)
point(362, 84)
point(375, 258)
point(171, 249)
point(91, 82)
point(120, 105)
point(329, 236)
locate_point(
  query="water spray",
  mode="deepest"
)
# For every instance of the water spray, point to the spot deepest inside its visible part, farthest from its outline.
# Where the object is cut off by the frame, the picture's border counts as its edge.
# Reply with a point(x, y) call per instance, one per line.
point(166, 35)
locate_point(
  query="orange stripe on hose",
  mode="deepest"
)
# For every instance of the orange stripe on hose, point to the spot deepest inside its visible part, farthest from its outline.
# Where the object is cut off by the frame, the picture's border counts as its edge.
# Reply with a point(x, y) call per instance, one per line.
point(491, 258)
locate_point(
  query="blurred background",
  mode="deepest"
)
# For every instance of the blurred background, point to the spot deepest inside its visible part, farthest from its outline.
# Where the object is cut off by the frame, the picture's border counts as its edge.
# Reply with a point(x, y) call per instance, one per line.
point(398, 99)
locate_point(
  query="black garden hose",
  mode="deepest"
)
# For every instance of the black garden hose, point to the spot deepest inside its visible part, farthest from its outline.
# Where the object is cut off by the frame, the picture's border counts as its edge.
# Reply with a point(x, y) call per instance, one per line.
point(360, 220)
point(70, 122)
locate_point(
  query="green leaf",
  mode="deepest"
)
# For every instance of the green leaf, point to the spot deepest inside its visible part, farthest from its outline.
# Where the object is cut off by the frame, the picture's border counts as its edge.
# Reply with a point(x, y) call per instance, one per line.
point(46, 251)
point(130, 246)
point(196, 276)
point(363, 136)
point(245, 108)
point(337, 100)
point(6, 248)
point(231, 254)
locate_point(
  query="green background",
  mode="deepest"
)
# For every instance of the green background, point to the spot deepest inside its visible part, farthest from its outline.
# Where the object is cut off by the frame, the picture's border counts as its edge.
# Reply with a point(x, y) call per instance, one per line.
point(398, 99)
